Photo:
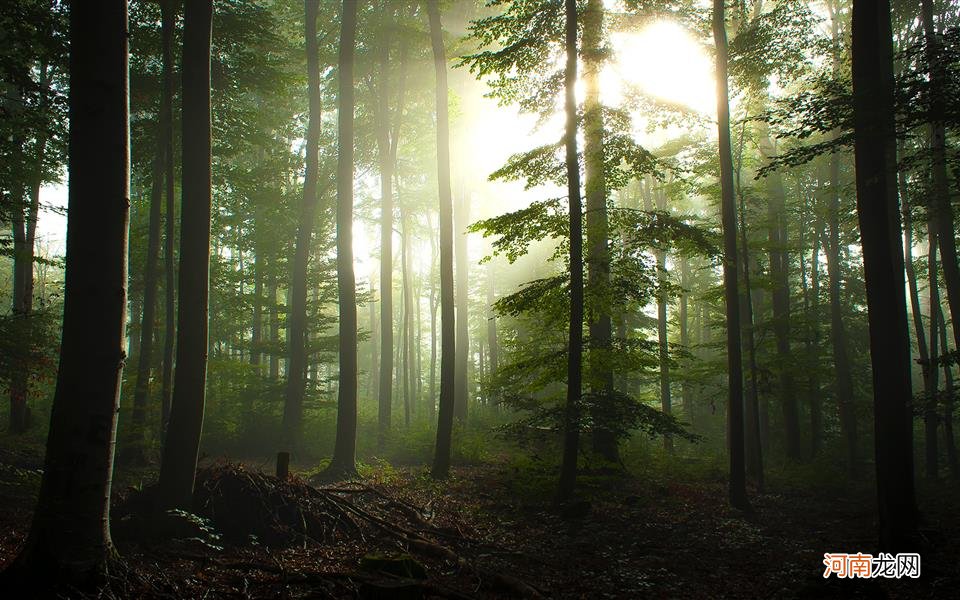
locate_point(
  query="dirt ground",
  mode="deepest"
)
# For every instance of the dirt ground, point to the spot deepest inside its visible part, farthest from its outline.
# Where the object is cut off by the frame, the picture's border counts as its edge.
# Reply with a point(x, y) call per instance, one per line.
point(492, 532)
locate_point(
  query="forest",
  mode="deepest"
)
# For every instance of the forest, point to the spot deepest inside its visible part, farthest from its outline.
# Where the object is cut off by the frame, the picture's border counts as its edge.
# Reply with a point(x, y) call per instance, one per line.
point(479, 299)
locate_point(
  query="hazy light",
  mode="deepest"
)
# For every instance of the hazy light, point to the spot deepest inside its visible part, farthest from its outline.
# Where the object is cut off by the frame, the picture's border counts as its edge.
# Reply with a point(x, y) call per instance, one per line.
point(664, 61)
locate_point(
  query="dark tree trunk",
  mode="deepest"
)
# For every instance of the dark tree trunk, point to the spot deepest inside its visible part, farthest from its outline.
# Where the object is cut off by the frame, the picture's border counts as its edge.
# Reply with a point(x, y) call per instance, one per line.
point(461, 392)
point(386, 152)
point(256, 329)
point(843, 382)
point(441, 459)
point(666, 404)
point(686, 390)
point(779, 275)
point(168, 10)
point(407, 310)
point(180, 450)
point(597, 229)
point(136, 438)
point(344, 460)
point(931, 382)
point(873, 96)
point(274, 328)
point(571, 412)
point(432, 402)
point(492, 342)
point(69, 539)
point(942, 207)
point(735, 426)
point(297, 316)
point(949, 441)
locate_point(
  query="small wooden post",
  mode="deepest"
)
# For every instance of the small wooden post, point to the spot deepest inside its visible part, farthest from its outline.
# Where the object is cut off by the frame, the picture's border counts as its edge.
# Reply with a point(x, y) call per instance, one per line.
point(283, 465)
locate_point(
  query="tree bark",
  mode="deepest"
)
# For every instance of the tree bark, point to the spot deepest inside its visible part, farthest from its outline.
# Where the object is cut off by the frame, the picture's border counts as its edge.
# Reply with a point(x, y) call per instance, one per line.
point(461, 391)
point(875, 152)
point(180, 451)
point(297, 316)
point(344, 460)
point(571, 411)
point(598, 254)
point(168, 10)
point(441, 460)
point(735, 426)
point(69, 540)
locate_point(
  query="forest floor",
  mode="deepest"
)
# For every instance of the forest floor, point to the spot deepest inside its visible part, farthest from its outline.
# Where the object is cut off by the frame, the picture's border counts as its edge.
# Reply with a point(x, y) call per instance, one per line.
point(490, 532)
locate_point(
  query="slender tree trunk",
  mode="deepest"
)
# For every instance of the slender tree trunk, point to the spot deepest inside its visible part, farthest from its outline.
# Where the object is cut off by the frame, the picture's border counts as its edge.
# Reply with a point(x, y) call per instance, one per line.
point(374, 387)
point(598, 255)
point(686, 390)
point(873, 100)
point(779, 275)
point(256, 336)
point(461, 391)
point(571, 412)
point(666, 404)
point(136, 438)
point(812, 312)
point(441, 460)
point(69, 540)
point(385, 155)
point(297, 316)
point(843, 382)
point(186, 412)
point(274, 328)
point(168, 10)
point(431, 403)
point(735, 426)
point(407, 310)
point(344, 461)
point(492, 343)
point(942, 207)
point(949, 441)
point(931, 383)
point(912, 287)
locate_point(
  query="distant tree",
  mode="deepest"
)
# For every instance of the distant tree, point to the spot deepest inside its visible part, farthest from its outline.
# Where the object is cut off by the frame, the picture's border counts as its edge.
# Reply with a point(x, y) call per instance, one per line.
point(182, 445)
point(877, 209)
point(344, 461)
point(69, 540)
point(441, 459)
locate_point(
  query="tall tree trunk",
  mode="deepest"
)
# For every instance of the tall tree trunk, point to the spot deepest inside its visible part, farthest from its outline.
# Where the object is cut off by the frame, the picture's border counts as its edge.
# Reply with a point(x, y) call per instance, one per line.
point(811, 308)
point(931, 383)
point(461, 391)
point(949, 441)
point(432, 402)
point(274, 327)
point(297, 315)
point(571, 411)
point(912, 286)
point(374, 388)
point(385, 153)
point(843, 382)
point(873, 101)
point(168, 11)
point(686, 390)
point(779, 275)
point(942, 207)
point(735, 426)
point(179, 463)
point(256, 330)
point(407, 310)
point(441, 459)
point(344, 460)
point(666, 404)
point(598, 254)
point(492, 343)
point(136, 438)
point(69, 540)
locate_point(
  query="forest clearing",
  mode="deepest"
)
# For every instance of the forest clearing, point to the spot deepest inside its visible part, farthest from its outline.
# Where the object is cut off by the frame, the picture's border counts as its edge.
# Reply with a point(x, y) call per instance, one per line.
point(479, 298)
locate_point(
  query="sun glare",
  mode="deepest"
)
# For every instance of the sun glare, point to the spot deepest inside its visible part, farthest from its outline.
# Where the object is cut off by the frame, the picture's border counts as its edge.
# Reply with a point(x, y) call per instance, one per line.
point(662, 60)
